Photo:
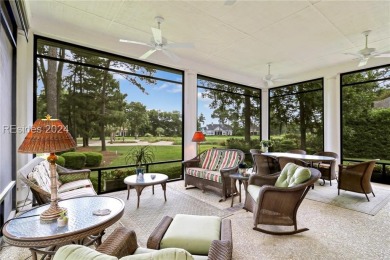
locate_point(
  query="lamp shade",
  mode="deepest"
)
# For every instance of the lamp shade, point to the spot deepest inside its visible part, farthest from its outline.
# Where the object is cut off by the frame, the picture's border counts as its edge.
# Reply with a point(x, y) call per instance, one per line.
point(47, 136)
point(198, 137)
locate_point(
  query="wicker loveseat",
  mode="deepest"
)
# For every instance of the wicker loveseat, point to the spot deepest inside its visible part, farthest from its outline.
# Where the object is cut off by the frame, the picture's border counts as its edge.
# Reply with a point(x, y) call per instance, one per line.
point(71, 183)
point(211, 169)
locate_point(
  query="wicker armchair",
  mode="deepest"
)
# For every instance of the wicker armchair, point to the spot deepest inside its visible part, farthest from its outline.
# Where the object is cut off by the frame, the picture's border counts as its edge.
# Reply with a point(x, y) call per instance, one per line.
point(275, 205)
point(285, 160)
point(264, 165)
point(74, 183)
point(122, 242)
point(356, 178)
point(328, 170)
point(219, 249)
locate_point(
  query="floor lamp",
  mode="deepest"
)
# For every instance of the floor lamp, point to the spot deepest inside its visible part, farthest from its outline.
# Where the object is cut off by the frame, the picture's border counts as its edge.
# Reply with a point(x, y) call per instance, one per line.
point(49, 136)
point(198, 138)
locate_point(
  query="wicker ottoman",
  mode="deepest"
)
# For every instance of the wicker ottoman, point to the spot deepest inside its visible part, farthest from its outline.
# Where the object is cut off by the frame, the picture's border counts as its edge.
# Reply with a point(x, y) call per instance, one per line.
point(199, 235)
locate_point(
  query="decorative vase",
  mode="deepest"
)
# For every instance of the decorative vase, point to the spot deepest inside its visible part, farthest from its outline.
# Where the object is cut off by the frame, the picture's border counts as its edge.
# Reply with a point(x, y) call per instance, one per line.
point(61, 222)
point(140, 173)
point(264, 149)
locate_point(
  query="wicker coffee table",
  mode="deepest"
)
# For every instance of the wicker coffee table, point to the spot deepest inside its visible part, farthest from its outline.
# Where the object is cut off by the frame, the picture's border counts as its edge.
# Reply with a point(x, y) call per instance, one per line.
point(83, 227)
point(147, 180)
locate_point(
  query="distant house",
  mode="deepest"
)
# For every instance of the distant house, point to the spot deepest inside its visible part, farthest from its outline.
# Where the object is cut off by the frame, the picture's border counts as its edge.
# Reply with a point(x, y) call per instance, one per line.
point(217, 129)
point(385, 103)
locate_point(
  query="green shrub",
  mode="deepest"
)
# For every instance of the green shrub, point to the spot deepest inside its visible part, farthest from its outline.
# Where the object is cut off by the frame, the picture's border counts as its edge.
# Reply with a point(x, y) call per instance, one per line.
point(93, 159)
point(74, 160)
point(60, 160)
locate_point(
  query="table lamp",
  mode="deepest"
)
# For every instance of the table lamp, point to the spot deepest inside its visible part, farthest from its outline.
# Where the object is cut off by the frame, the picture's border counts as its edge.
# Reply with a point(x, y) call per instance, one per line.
point(49, 136)
point(198, 138)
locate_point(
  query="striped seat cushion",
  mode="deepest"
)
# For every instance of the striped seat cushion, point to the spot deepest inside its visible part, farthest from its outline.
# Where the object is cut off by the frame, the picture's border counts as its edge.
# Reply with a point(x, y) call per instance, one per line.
point(211, 159)
point(196, 172)
point(229, 159)
point(213, 176)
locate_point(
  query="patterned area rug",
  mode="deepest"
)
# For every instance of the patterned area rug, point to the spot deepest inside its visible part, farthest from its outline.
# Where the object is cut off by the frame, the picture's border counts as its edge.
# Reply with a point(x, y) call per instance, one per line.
point(153, 207)
point(350, 200)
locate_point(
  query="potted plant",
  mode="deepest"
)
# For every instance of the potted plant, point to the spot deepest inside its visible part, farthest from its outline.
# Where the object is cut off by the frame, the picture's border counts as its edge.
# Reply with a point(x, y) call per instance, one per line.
point(265, 144)
point(113, 180)
point(140, 155)
point(242, 168)
point(62, 220)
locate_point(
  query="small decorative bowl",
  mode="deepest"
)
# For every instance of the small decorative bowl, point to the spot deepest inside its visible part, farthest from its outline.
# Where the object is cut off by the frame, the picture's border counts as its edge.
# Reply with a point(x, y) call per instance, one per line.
point(153, 176)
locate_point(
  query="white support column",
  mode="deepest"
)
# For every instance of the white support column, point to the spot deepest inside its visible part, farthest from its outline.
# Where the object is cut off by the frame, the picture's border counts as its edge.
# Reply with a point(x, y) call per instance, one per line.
point(24, 103)
point(190, 113)
point(332, 127)
point(264, 114)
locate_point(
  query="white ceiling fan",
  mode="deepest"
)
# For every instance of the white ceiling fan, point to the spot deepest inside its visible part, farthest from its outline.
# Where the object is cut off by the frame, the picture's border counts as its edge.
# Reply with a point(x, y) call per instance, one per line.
point(159, 43)
point(269, 78)
point(366, 53)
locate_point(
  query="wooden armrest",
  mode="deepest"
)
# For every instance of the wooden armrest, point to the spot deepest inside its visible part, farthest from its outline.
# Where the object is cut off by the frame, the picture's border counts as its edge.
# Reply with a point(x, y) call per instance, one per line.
point(121, 242)
point(158, 233)
point(191, 163)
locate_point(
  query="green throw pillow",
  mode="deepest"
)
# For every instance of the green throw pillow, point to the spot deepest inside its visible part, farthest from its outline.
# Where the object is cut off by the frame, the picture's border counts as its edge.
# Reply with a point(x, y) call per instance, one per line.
point(292, 175)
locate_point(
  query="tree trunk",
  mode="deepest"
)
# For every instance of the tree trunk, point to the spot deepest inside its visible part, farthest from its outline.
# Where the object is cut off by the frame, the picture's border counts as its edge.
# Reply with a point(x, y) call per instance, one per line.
point(103, 108)
point(51, 95)
point(302, 124)
point(59, 80)
point(247, 119)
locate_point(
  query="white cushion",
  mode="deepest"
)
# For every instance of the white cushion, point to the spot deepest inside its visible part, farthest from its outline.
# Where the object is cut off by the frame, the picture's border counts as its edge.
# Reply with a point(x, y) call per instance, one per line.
point(77, 193)
point(41, 175)
point(73, 185)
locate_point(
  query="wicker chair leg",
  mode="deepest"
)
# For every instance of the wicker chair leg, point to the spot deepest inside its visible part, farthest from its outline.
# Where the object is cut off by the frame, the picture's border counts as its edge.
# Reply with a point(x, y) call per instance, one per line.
point(323, 182)
point(367, 197)
point(373, 193)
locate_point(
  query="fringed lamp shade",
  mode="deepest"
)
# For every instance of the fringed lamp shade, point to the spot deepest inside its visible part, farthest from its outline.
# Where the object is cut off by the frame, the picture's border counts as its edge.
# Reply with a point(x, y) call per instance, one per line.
point(49, 136)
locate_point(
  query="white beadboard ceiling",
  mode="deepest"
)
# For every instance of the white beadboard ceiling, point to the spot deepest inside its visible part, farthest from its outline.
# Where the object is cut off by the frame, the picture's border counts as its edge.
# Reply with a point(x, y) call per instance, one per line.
point(233, 40)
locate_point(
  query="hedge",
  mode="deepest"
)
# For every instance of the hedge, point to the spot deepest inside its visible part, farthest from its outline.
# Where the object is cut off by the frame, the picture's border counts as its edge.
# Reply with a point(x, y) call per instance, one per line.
point(60, 160)
point(74, 160)
point(93, 159)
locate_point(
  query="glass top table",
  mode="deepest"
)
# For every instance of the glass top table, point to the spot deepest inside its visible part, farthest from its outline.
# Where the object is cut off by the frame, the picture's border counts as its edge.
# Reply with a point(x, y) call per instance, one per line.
point(27, 230)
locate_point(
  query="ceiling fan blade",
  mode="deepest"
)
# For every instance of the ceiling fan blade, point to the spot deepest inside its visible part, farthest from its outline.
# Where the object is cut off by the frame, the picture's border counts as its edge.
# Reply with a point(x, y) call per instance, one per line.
point(179, 45)
point(385, 54)
point(363, 62)
point(157, 36)
point(355, 54)
point(171, 55)
point(147, 54)
point(134, 42)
